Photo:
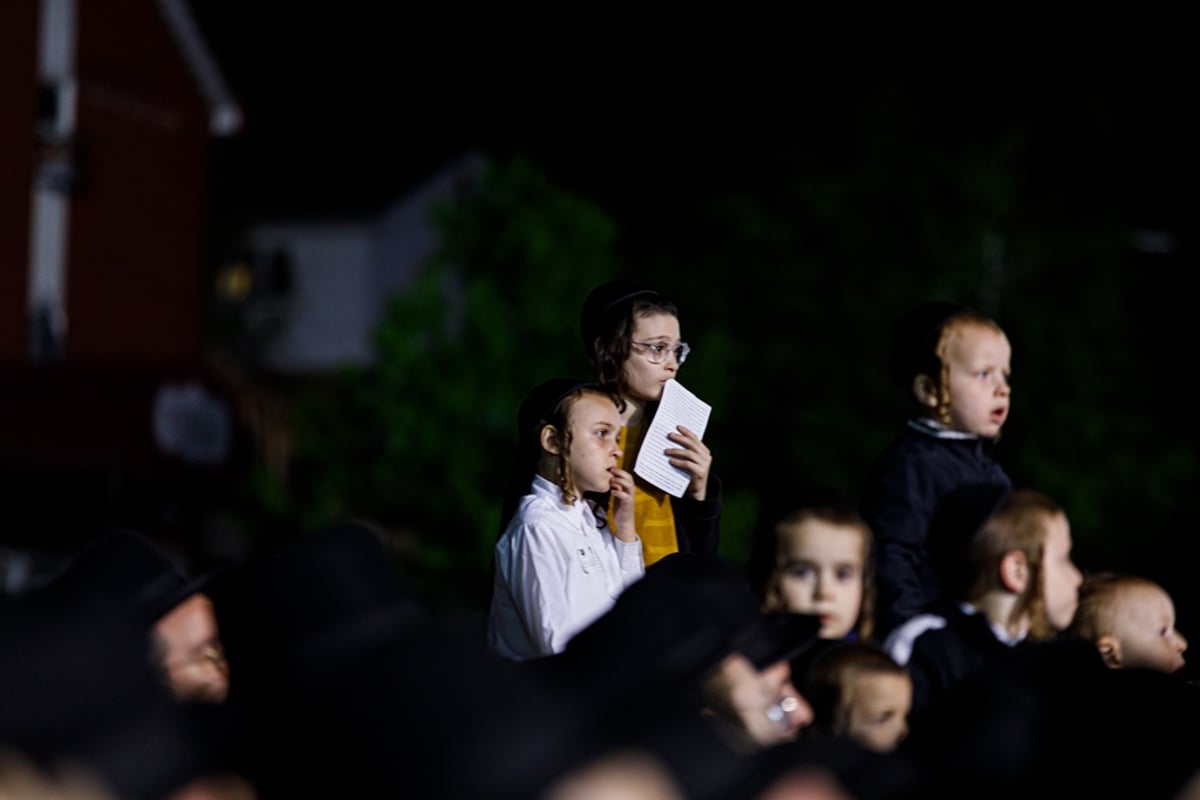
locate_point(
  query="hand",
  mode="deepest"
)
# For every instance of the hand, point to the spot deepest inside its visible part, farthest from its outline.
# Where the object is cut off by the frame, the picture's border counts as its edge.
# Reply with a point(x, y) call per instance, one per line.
point(693, 457)
point(621, 487)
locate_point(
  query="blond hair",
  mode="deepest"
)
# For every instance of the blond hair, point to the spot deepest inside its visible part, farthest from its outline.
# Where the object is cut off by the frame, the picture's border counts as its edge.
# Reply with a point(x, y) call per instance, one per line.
point(952, 326)
point(1099, 597)
point(1018, 524)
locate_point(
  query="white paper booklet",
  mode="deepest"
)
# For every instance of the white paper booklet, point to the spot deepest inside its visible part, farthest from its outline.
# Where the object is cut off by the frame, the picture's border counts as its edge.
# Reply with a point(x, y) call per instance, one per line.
point(677, 407)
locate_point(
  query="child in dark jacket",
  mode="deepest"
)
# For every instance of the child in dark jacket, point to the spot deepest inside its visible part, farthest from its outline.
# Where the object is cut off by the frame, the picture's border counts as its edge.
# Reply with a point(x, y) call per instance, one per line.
point(955, 363)
point(1016, 583)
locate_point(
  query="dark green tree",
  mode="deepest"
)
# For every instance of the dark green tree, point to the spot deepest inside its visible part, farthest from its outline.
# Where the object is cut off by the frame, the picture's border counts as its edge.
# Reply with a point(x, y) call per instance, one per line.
point(422, 440)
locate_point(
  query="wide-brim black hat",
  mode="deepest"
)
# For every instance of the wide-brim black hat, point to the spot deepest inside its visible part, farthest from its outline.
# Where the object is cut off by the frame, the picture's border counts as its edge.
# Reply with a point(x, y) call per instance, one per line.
point(126, 568)
point(329, 597)
point(76, 687)
point(677, 623)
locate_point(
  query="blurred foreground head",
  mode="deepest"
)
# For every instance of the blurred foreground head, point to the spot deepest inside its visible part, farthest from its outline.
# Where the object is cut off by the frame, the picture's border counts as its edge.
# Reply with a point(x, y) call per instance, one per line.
point(77, 694)
point(128, 570)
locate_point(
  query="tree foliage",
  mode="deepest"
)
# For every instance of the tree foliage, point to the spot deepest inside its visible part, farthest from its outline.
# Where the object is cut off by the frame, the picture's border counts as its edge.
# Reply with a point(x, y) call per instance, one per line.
point(422, 440)
point(788, 265)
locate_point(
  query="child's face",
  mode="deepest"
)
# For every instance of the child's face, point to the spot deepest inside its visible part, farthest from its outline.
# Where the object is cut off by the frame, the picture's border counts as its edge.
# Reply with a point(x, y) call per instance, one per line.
point(1144, 624)
point(644, 379)
point(822, 574)
point(593, 452)
point(978, 359)
point(1060, 576)
point(876, 709)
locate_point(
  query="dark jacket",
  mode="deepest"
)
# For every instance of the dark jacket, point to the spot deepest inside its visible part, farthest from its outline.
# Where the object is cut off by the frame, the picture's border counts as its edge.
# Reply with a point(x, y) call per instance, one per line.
point(698, 522)
point(942, 649)
point(906, 485)
point(1050, 720)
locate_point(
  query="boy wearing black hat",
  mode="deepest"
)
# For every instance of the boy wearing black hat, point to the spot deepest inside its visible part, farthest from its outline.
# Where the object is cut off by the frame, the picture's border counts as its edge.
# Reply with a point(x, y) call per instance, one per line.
point(558, 564)
point(954, 363)
point(631, 335)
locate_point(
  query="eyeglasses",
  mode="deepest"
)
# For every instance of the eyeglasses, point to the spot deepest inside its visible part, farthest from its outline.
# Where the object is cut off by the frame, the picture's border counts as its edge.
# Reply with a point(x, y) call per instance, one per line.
point(656, 352)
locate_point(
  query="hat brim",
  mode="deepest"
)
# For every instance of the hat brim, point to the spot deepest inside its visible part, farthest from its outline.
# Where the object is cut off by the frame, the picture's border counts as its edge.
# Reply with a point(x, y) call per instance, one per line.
point(777, 637)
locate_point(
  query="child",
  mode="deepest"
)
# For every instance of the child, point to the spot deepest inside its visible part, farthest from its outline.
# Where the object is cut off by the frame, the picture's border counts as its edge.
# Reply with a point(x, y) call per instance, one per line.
point(859, 691)
point(1020, 584)
point(557, 565)
point(815, 558)
point(1131, 621)
point(955, 364)
point(631, 335)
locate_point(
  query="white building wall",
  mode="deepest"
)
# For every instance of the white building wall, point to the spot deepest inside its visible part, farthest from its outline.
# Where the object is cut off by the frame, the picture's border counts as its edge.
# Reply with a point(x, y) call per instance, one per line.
point(326, 322)
point(343, 275)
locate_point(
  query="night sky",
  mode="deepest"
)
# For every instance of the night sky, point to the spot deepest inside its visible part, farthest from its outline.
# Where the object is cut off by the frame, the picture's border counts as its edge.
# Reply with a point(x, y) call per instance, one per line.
point(345, 110)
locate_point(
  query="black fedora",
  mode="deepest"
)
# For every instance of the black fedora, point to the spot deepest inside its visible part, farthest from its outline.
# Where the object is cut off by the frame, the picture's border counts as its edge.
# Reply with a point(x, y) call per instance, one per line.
point(679, 621)
point(76, 687)
point(327, 597)
point(126, 568)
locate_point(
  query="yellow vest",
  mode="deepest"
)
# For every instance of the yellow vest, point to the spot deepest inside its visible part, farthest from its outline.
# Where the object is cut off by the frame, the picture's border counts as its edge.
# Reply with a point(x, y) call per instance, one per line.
point(653, 517)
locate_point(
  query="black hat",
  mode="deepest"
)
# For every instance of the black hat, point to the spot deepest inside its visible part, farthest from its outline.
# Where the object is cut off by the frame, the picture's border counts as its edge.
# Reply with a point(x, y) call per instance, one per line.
point(914, 338)
point(127, 568)
point(329, 597)
point(76, 686)
point(676, 623)
point(541, 401)
point(606, 302)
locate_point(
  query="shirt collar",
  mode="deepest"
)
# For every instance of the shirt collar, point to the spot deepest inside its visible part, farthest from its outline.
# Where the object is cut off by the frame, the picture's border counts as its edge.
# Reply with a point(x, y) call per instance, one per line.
point(551, 491)
point(931, 427)
point(999, 631)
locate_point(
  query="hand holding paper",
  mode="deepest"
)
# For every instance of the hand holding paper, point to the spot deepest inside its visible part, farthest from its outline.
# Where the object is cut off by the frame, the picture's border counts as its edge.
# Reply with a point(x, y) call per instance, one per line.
point(678, 407)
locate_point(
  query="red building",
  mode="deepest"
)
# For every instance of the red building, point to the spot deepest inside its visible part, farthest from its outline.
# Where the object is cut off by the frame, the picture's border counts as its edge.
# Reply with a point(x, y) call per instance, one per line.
point(109, 109)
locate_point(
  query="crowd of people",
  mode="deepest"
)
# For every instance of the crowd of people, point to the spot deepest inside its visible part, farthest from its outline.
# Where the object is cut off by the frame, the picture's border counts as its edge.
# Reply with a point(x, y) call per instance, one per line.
point(933, 638)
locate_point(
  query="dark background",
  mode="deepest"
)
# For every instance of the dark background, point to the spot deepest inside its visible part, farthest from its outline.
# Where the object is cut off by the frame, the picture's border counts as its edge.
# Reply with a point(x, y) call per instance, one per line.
point(793, 182)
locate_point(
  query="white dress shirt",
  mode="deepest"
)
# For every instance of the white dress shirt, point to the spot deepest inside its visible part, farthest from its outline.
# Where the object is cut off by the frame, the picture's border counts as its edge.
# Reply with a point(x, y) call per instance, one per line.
point(558, 568)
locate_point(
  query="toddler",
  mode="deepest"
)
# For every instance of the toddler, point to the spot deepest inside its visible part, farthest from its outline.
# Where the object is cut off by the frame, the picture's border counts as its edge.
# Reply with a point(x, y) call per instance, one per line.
point(1131, 620)
point(954, 364)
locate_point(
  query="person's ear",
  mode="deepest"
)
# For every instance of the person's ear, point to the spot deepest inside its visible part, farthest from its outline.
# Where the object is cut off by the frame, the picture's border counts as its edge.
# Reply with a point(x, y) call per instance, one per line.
point(925, 390)
point(1014, 571)
point(550, 441)
point(1110, 650)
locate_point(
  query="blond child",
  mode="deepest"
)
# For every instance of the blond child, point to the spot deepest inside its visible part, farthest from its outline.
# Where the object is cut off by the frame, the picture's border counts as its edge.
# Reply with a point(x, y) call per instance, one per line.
point(953, 365)
point(858, 691)
point(1021, 584)
point(1131, 620)
point(557, 565)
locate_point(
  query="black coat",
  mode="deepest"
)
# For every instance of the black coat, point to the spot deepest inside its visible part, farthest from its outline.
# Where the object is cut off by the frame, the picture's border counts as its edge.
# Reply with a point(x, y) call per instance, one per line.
point(947, 651)
point(905, 487)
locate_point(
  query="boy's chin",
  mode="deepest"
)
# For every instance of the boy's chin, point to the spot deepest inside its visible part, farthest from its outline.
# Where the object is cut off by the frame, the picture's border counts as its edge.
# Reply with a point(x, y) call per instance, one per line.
point(988, 430)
